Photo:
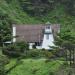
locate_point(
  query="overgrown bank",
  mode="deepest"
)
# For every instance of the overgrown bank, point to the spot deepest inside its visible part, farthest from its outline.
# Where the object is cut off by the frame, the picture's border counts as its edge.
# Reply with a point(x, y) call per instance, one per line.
point(55, 15)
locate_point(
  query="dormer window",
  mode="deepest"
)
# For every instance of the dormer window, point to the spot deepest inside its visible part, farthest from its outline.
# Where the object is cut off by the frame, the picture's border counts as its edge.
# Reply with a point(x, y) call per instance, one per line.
point(48, 27)
point(48, 30)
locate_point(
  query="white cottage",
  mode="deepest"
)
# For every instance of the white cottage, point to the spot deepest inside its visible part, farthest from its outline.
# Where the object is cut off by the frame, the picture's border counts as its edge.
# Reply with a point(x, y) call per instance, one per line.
point(38, 35)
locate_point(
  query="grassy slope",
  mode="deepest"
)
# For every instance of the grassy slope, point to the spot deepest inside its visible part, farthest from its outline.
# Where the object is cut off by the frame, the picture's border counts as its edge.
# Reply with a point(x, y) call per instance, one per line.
point(35, 67)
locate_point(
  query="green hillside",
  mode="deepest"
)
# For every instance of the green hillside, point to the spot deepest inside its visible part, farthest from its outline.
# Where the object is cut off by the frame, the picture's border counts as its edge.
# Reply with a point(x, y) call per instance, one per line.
point(36, 67)
point(17, 15)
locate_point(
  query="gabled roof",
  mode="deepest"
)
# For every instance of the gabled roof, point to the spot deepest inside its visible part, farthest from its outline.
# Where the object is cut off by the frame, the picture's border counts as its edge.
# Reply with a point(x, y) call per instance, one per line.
point(33, 33)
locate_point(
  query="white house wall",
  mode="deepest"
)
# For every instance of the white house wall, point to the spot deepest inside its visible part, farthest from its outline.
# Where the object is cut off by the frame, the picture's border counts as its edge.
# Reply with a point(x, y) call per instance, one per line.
point(31, 45)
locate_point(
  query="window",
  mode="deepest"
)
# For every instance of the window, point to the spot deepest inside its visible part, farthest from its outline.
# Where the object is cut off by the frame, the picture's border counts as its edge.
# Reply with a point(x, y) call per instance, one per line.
point(37, 43)
point(48, 27)
point(47, 36)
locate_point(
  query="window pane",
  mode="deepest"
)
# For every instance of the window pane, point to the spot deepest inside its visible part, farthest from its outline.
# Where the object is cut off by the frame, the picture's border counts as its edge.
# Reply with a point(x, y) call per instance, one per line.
point(47, 36)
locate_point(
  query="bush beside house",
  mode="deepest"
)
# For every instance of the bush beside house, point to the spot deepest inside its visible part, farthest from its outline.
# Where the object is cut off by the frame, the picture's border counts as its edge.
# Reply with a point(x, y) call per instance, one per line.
point(16, 49)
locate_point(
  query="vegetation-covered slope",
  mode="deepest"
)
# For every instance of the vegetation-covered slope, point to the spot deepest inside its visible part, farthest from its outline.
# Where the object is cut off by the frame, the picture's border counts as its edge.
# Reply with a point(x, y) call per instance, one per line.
point(56, 15)
point(15, 12)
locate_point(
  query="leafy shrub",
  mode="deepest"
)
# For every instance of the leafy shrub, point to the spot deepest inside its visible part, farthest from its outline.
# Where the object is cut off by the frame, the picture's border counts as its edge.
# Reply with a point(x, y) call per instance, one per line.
point(51, 73)
point(43, 49)
point(34, 53)
point(65, 64)
point(47, 60)
point(48, 54)
point(11, 50)
point(23, 46)
point(34, 46)
point(3, 61)
point(16, 49)
point(58, 53)
point(34, 70)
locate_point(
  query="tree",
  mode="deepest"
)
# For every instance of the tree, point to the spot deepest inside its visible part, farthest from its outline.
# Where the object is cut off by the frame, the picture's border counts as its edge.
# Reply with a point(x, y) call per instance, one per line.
point(66, 41)
point(5, 28)
point(16, 50)
point(3, 61)
point(69, 6)
point(23, 46)
point(37, 7)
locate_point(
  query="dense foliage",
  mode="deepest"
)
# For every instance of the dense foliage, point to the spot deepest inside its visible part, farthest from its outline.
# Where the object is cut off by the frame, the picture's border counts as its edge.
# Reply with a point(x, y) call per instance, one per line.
point(41, 7)
point(55, 11)
point(65, 41)
point(16, 49)
point(5, 28)
point(3, 61)
point(37, 7)
point(69, 6)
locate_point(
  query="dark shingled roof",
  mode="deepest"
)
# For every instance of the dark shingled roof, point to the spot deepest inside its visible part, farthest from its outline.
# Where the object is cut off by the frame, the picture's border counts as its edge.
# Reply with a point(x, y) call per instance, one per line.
point(33, 33)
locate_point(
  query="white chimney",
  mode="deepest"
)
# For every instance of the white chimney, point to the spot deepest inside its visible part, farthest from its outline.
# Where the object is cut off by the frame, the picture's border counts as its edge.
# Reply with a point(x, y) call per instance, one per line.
point(14, 33)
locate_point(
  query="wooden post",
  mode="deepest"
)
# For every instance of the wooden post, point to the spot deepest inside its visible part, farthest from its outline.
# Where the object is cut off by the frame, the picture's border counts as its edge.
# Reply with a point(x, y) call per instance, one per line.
point(70, 57)
point(73, 57)
point(66, 57)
